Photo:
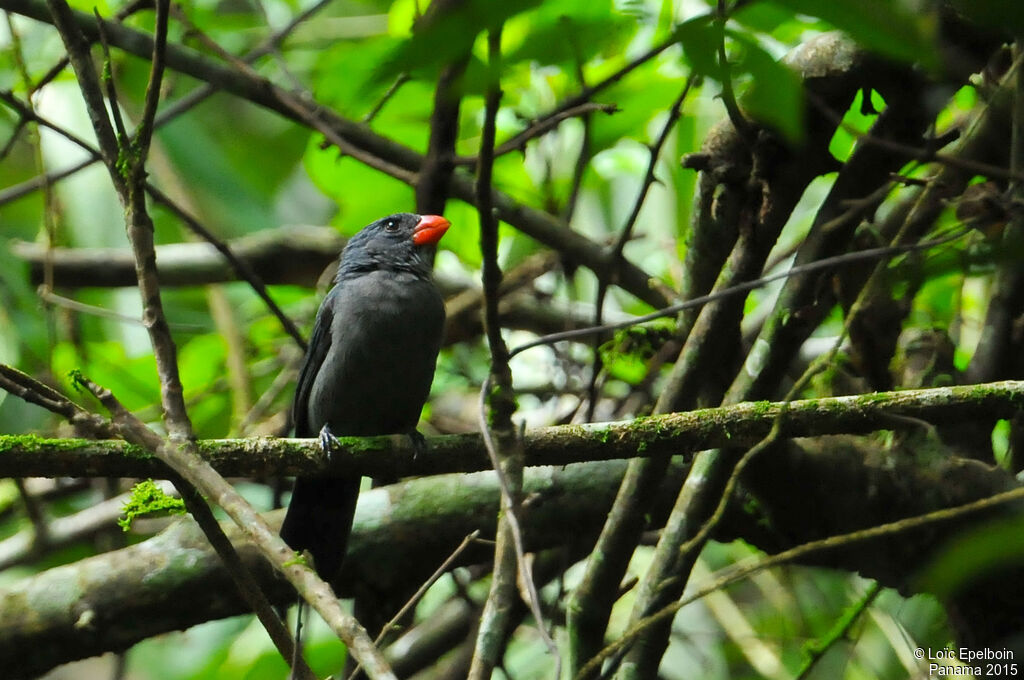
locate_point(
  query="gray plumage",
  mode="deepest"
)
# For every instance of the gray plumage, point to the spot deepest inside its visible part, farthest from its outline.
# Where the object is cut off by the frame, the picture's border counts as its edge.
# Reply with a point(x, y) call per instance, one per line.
point(368, 368)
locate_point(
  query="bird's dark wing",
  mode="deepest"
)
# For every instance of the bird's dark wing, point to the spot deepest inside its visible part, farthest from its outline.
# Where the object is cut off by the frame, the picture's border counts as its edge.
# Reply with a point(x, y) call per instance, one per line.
point(320, 513)
point(319, 344)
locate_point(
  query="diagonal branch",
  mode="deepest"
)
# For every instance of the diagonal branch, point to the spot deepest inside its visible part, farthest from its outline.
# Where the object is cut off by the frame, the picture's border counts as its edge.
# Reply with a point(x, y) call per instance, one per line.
point(504, 446)
point(754, 565)
point(375, 150)
point(193, 476)
point(238, 264)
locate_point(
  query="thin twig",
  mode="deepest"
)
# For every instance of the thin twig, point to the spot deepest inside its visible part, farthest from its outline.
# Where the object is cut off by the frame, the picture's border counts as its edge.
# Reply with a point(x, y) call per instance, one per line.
point(401, 80)
point(541, 127)
point(109, 89)
point(40, 529)
point(494, 621)
point(32, 391)
point(22, 189)
point(754, 565)
point(81, 61)
point(143, 134)
point(133, 430)
point(511, 517)
point(495, 411)
point(826, 263)
point(104, 313)
point(241, 267)
point(925, 155)
point(19, 127)
point(125, 161)
point(584, 95)
point(393, 624)
point(850, 616)
point(50, 205)
point(732, 108)
point(626, 233)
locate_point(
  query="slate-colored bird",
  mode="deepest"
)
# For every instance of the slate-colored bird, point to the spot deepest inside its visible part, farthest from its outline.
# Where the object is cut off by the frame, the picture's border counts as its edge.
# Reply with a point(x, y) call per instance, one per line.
point(368, 368)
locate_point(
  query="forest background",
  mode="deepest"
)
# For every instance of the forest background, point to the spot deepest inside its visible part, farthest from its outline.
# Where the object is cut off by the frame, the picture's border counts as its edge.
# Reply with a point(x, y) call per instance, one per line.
point(812, 476)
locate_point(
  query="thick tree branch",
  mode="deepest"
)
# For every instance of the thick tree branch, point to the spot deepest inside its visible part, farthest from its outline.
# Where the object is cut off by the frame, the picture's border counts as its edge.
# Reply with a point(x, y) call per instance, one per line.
point(295, 255)
point(393, 456)
point(174, 580)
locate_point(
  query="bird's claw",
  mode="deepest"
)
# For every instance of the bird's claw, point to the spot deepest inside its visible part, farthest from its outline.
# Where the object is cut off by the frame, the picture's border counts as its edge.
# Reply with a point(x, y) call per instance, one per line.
point(328, 443)
point(419, 444)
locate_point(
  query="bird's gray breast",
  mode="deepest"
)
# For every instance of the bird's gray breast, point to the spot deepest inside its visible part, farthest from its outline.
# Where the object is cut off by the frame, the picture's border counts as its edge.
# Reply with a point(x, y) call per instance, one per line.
point(385, 336)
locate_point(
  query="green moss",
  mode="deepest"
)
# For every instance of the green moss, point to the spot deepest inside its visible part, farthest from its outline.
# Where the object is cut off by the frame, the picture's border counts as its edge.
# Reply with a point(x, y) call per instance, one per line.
point(148, 498)
point(136, 452)
point(77, 379)
point(355, 444)
point(980, 392)
point(124, 163)
point(874, 398)
point(653, 424)
point(755, 509)
point(21, 442)
point(300, 560)
point(626, 355)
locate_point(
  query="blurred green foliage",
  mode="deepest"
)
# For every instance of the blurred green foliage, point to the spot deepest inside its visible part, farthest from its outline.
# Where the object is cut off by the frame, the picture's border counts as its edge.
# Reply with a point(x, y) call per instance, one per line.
point(241, 169)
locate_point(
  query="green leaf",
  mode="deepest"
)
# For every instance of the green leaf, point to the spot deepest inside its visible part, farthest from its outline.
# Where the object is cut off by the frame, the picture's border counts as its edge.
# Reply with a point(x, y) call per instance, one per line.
point(232, 193)
point(356, 93)
point(856, 124)
point(973, 555)
point(201, 360)
point(133, 380)
point(463, 238)
point(566, 33)
point(775, 93)
point(888, 27)
point(700, 38)
point(448, 38)
point(362, 193)
point(639, 102)
point(765, 17)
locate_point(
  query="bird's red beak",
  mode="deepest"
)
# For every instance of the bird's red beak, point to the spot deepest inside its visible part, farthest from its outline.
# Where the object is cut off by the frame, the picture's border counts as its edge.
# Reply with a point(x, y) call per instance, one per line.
point(429, 230)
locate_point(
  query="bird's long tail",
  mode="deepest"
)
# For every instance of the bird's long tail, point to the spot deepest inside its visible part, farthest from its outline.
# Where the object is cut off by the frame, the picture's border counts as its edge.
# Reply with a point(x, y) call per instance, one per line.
point(319, 520)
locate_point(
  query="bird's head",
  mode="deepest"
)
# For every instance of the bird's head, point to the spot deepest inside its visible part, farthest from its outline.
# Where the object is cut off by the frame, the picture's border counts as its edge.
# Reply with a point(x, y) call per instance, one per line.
point(398, 242)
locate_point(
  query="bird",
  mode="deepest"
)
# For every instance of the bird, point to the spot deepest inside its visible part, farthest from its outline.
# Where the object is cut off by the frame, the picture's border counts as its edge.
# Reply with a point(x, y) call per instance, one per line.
point(368, 368)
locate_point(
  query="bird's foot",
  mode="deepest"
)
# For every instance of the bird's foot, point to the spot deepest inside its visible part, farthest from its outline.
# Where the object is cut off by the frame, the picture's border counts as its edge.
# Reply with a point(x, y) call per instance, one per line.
point(328, 443)
point(419, 444)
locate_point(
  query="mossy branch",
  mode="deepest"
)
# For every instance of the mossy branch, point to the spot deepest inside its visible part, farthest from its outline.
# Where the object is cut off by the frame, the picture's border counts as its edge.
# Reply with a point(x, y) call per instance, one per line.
point(392, 456)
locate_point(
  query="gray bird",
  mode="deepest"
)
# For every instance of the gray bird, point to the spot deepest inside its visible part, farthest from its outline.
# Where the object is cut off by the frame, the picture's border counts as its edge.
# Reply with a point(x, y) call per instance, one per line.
point(368, 368)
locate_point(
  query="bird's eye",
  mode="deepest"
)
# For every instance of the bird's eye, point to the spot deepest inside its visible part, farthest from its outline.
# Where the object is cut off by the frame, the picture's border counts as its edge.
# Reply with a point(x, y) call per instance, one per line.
point(391, 226)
